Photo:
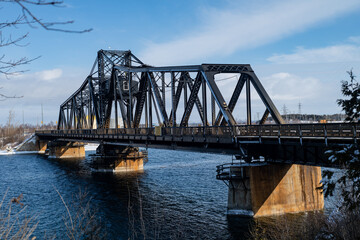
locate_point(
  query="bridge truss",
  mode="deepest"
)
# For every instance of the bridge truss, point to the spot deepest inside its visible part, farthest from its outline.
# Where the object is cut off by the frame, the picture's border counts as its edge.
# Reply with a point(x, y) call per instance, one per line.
point(121, 87)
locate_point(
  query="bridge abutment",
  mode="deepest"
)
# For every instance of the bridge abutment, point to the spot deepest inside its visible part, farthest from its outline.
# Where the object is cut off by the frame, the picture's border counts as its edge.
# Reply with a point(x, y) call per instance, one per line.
point(62, 149)
point(265, 189)
point(119, 158)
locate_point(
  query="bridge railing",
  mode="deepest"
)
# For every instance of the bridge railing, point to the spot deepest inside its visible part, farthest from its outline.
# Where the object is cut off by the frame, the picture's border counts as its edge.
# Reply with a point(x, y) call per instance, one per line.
point(350, 130)
point(199, 131)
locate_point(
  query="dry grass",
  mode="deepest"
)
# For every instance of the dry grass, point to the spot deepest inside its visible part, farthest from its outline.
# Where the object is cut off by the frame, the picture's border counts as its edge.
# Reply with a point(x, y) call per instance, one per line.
point(14, 224)
point(81, 221)
point(312, 225)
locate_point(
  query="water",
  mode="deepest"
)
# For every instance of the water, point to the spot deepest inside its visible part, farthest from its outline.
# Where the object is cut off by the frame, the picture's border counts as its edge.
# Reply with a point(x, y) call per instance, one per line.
point(177, 196)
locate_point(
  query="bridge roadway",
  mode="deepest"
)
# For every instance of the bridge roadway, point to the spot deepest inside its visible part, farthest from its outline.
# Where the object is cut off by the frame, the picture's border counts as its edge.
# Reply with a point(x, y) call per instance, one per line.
point(290, 143)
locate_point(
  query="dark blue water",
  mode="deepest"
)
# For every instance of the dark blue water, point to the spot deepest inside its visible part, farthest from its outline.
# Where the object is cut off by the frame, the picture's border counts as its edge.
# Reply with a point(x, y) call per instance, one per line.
point(177, 196)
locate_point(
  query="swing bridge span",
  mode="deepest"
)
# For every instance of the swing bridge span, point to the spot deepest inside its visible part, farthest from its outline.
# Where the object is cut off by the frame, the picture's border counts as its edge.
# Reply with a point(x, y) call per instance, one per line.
point(124, 101)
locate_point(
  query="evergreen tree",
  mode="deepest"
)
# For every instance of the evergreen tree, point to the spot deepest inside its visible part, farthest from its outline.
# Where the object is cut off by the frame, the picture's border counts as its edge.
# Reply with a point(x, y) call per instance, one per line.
point(347, 157)
point(350, 106)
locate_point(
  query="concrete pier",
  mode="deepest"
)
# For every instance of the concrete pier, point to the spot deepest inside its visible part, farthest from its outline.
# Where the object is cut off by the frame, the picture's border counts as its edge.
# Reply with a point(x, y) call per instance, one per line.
point(60, 149)
point(119, 158)
point(41, 146)
point(266, 190)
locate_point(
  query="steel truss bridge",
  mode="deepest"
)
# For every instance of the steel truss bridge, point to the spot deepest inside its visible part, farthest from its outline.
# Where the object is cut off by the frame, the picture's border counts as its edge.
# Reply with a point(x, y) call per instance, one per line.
point(125, 101)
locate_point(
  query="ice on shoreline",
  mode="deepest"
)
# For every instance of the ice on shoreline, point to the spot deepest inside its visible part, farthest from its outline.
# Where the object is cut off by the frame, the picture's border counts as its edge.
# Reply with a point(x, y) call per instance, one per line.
point(3, 153)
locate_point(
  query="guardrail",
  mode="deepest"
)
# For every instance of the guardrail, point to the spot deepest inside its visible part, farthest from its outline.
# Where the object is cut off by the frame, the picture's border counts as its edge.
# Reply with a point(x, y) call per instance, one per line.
point(333, 130)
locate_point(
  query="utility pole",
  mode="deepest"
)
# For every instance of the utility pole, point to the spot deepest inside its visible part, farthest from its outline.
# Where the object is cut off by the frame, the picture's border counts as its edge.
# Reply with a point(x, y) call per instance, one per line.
point(285, 112)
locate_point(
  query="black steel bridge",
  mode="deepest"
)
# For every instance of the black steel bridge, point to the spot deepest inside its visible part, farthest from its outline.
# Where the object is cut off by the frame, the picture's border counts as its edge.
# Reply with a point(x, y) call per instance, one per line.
point(124, 101)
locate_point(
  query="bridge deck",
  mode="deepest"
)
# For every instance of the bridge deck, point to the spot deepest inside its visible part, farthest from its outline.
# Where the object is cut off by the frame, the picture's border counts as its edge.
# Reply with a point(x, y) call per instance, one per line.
point(300, 143)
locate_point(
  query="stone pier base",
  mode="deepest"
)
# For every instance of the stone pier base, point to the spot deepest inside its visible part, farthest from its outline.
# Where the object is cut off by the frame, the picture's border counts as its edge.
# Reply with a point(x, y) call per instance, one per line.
point(60, 149)
point(274, 189)
point(118, 158)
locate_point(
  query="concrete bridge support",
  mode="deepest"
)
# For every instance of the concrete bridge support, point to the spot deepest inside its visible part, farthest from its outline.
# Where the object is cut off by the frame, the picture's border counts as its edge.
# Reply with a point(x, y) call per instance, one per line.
point(61, 149)
point(41, 146)
point(274, 189)
point(119, 158)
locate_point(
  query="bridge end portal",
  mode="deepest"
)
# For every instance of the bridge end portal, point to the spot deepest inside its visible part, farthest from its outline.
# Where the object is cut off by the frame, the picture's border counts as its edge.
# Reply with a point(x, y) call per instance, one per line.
point(271, 189)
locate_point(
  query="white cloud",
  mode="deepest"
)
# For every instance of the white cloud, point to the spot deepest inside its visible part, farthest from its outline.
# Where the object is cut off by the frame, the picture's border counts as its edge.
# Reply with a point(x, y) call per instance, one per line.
point(288, 87)
point(48, 75)
point(38, 89)
point(336, 53)
point(245, 25)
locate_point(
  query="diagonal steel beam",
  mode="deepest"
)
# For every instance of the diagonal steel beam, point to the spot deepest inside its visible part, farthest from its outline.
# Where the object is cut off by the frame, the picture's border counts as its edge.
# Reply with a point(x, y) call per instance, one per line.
point(190, 104)
point(264, 117)
point(197, 100)
point(94, 100)
point(158, 99)
point(265, 98)
point(234, 98)
point(141, 97)
point(179, 89)
point(219, 99)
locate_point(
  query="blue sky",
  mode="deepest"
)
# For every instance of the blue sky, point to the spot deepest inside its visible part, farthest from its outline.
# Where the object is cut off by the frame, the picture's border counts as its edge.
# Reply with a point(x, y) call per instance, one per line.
point(300, 50)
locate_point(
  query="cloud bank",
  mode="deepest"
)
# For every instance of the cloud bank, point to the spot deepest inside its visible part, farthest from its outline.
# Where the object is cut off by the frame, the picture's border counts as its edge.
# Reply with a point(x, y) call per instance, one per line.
point(244, 26)
point(329, 54)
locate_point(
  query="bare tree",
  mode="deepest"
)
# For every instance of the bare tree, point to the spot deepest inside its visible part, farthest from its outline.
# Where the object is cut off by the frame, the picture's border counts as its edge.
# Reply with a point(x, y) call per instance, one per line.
point(25, 17)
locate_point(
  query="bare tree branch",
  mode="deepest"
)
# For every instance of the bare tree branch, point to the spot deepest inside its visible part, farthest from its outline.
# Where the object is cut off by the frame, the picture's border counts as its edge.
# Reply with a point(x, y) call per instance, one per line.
point(27, 12)
point(3, 97)
point(26, 17)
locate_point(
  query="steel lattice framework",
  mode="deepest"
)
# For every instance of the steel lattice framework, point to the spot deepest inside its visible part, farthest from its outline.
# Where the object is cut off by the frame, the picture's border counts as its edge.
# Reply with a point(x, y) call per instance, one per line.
point(122, 87)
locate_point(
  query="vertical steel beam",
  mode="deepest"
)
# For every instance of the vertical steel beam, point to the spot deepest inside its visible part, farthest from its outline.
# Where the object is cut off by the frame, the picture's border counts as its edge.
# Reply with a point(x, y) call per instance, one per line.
point(59, 119)
point(82, 108)
point(115, 99)
point(184, 79)
point(163, 88)
point(204, 102)
point(156, 110)
point(90, 110)
point(173, 111)
point(146, 110)
point(130, 100)
point(67, 116)
point(150, 105)
point(248, 102)
point(212, 110)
